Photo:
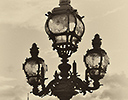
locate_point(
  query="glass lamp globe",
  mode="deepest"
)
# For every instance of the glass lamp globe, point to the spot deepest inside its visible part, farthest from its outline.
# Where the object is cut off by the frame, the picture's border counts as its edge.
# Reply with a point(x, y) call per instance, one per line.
point(35, 71)
point(97, 64)
point(65, 28)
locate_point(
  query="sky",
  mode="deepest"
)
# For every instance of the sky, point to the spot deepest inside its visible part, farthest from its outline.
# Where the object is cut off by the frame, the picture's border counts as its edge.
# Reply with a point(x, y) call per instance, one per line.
point(22, 24)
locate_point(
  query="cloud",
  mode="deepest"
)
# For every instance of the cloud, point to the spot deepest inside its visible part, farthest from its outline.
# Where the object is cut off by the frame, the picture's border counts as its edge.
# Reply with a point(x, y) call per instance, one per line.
point(25, 13)
point(17, 98)
point(117, 87)
point(12, 92)
point(12, 89)
point(3, 79)
point(106, 8)
point(113, 10)
point(49, 52)
point(5, 87)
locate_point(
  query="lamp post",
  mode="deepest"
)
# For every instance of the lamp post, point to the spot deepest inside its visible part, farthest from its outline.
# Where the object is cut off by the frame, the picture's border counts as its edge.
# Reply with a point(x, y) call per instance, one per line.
point(65, 28)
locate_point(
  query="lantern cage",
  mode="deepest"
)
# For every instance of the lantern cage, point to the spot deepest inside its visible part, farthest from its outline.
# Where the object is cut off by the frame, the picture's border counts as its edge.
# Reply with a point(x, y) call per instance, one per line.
point(65, 28)
point(35, 68)
point(96, 60)
point(96, 63)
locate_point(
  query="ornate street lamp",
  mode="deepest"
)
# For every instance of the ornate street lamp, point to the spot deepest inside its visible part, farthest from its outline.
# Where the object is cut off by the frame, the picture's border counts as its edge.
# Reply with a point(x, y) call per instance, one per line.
point(65, 28)
point(96, 61)
point(35, 69)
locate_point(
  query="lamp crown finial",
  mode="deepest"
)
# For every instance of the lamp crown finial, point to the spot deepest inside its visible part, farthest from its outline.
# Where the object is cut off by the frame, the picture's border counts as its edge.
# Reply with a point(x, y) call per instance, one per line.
point(64, 2)
point(34, 50)
point(96, 42)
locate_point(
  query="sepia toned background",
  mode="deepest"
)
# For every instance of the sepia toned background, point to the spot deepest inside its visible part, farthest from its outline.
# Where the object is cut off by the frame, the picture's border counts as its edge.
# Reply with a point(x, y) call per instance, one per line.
point(22, 23)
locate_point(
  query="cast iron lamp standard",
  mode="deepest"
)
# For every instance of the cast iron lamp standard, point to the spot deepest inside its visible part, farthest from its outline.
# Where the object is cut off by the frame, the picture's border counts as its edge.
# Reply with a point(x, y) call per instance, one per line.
point(65, 28)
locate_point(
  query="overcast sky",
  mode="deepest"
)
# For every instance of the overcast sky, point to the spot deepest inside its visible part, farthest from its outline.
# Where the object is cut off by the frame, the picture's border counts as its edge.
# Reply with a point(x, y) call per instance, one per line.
point(22, 23)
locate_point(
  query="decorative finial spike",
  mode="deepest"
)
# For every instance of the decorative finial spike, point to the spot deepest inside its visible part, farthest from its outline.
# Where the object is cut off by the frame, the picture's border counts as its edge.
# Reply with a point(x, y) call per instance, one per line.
point(34, 50)
point(96, 42)
point(34, 45)
point(64, 2)
point(74, 68)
